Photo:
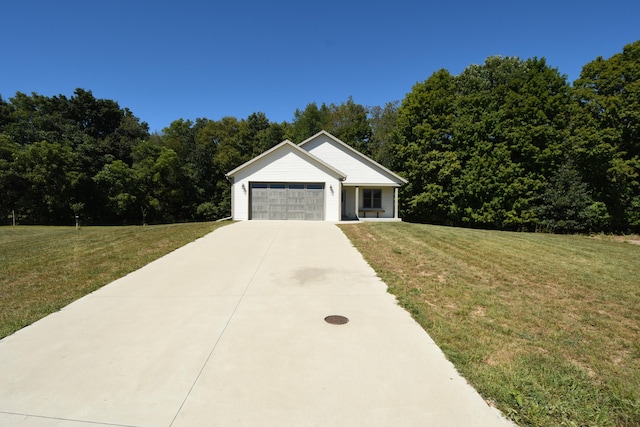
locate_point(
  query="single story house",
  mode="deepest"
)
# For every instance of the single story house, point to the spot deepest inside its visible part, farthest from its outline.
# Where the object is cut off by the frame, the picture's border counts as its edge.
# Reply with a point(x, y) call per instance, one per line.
point(321, 179)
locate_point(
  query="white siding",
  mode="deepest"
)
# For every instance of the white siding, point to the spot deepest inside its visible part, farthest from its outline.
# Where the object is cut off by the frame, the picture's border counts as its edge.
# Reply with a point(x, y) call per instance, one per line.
point(287, 166)
point(388, 199)
point(358, 170)
point(387, 202)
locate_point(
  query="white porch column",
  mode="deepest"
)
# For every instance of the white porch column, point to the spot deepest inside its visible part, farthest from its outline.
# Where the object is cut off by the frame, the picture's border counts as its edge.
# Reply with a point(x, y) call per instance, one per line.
point(395, 203)
point(357, 201)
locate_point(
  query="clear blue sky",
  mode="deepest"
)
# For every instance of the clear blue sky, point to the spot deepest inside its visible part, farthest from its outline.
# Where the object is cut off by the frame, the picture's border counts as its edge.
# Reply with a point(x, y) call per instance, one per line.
point(187, 59)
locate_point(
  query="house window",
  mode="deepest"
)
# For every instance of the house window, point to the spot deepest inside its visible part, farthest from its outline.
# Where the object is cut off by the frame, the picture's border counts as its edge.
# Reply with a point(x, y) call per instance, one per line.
point(372, 198)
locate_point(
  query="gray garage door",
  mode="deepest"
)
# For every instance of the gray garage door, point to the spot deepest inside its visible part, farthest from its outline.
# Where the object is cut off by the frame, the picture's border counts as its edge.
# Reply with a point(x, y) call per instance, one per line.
point(287, 201)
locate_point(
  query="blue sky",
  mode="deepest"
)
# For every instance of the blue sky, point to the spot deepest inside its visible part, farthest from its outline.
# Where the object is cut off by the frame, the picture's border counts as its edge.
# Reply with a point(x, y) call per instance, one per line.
point(188, 59)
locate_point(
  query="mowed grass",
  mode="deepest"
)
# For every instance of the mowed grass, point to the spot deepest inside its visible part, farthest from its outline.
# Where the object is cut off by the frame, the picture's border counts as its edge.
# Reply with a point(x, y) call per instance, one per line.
point(42, 269)
point(545, 327)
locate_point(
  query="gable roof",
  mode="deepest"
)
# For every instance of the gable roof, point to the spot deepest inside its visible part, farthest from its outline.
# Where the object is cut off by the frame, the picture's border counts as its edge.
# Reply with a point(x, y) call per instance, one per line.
point(303, 153)
point(372, 163)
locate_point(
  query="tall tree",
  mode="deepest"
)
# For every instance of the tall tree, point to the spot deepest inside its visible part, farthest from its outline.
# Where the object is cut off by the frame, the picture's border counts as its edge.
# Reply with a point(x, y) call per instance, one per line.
point(119, 185)
point(567, 206)
point(512, 118)
point(308, 122)
point(49, 172)
point(12, 184)
point(383, 122)
point(349, 122)
point(82, 133)
point(424, 151)
point(607, 133)
point(476, 148)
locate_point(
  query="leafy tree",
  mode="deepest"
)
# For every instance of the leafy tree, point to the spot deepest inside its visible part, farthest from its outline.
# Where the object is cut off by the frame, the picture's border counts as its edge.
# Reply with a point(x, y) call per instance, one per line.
point(424, 152)
point(383, 122)
point(118, 182)
point(22, 125)
point(148, 189)
point(253, 135)
point(476, 148)
point(567, 206)
point(217, 146)
point(349, 122)
point(5, 112)
point(129, 132)
point(512, 119)
point(86, 132)
point(606, 135)
point(11, 183)
point(180, 136)
point(48, 173)
point(308, 122)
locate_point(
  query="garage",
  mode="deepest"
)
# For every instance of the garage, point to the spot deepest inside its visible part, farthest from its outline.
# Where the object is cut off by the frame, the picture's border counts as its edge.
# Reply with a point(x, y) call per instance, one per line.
point(287, 201)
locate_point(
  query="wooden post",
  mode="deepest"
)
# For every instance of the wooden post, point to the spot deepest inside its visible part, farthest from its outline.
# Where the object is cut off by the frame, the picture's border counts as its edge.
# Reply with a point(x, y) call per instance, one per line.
point(13, 216)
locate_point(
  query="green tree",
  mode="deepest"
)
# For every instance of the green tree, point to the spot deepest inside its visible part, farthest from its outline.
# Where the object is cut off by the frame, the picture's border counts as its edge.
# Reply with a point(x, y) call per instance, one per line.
point(180, 136)
point(476, 148)
point(217, 147)
point(512, 117)
point(308, 122)
point(567, 206)
point(424, 150)
point(349, 122)
point(90, 133)
point(5, 113)
point(48, 171)
point(383, 122)
point(606, 135)
point(118, 182)
point(149, 189)
point(12, 184)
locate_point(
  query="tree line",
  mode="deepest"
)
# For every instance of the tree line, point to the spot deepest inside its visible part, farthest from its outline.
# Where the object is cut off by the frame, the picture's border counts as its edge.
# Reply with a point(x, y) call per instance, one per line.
point(509, 144)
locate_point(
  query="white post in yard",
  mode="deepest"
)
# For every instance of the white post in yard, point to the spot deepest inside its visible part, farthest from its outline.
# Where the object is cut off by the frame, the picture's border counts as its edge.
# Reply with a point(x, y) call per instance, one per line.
point(357, 202)
point(395, 203)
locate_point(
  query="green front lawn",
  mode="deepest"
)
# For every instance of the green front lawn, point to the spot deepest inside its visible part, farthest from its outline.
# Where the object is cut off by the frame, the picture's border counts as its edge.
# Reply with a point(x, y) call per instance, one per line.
point(546, 327)
point(42, 269)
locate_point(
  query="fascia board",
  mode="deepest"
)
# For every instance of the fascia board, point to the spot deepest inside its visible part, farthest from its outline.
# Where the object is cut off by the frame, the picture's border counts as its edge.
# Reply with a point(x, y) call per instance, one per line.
point(370, 184)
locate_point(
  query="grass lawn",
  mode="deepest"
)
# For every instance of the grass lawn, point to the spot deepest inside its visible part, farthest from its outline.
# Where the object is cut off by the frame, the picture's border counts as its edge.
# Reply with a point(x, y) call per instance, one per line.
point(42, 269)
point(545, 327)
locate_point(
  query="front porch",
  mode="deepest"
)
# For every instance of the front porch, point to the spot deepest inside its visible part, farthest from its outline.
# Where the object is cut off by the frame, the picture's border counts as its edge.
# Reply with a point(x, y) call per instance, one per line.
point(369, 203)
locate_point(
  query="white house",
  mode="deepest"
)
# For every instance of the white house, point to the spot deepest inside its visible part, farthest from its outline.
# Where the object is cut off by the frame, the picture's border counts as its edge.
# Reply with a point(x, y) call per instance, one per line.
point(321, 179)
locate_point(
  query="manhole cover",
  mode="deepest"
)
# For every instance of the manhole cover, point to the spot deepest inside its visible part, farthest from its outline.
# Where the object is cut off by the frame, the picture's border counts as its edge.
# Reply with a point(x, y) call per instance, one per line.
point(336, 320)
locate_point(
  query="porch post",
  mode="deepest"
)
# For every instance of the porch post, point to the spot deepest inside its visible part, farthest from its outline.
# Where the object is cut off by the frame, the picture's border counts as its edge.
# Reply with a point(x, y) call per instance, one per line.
point(395, 202)
point(357, 201)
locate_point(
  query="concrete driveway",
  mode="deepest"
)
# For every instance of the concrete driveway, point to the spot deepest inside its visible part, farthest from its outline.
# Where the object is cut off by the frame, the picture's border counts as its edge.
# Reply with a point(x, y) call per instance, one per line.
point(230, 331)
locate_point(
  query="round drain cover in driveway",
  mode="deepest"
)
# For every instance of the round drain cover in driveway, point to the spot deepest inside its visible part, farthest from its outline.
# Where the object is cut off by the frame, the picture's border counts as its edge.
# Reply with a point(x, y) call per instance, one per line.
point(336, 320)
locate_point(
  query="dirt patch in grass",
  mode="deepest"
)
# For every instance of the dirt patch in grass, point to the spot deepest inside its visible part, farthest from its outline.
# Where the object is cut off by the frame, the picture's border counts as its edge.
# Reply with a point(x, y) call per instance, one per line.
point(633, 239)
